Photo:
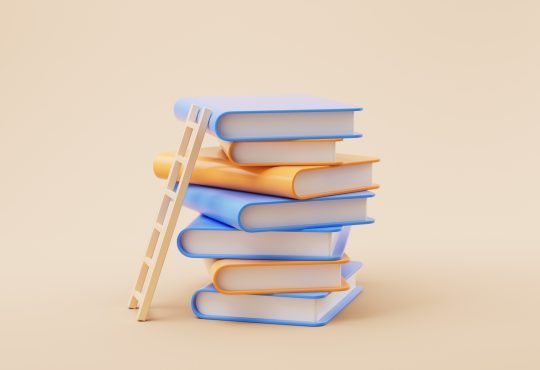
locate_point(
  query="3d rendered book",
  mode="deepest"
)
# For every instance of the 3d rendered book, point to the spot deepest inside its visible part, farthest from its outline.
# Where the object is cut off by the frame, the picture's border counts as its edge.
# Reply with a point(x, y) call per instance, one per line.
point(284, 152)
point(299, 182)
point(306, 309)
point(207, 238)
point(249, 118)
point(257, 212)
point(236, 276)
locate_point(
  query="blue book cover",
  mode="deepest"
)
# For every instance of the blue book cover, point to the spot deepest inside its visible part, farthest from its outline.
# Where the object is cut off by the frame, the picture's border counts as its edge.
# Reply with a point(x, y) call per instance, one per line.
point(204, 223)
point(238, 209)
point(221, 106)
point(237, 305)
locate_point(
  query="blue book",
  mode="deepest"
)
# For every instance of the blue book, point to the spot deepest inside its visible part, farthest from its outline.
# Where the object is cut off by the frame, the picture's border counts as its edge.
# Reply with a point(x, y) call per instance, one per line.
point(304, 309)
point(255, 118)
point(208, 238)
point(258, 212)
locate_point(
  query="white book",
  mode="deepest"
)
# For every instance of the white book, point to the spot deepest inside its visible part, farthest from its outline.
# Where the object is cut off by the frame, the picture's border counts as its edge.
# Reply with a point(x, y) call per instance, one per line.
point(293, 152)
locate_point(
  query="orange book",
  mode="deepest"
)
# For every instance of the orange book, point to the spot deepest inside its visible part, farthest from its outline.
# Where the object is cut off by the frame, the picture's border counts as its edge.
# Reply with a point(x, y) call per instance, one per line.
point(213, 168)
point(233, 276)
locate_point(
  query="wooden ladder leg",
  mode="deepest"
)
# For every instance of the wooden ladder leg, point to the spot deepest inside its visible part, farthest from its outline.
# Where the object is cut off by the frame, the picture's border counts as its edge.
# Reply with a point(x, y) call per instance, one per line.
point(171, 205)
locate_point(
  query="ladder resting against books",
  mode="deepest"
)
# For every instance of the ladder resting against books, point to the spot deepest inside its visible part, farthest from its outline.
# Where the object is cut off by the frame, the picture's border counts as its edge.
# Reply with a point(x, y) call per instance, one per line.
point(162, 232)
point(276, 202)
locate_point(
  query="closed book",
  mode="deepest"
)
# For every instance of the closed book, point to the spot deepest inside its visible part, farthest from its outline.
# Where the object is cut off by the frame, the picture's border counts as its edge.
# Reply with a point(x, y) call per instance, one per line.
point(305, 309)
point(281, 153)
point(237, 276)
point(354, 173)
point(249, 118)
point(208, 238)
point(257, 212)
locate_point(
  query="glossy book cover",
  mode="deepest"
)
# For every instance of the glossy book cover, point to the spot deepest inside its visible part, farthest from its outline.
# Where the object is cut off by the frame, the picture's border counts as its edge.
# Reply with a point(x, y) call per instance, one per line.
point(229, 206)
point(203, 223)
point(346, 297)
point(214, 169)
point(228, 105)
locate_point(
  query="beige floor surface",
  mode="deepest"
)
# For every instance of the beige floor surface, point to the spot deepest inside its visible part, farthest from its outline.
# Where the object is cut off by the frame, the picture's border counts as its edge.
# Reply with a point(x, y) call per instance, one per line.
point(451, 91)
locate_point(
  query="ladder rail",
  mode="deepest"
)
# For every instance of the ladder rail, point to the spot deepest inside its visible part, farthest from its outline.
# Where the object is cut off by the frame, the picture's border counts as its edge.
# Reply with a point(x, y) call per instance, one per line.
point(164, 227)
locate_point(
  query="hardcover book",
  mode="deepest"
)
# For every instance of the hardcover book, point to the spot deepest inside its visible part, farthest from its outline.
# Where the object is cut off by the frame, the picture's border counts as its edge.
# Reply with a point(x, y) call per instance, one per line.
point(283, 152)
point(354, 173)
point(208, 238)
point(306, 309)
point(235, 276)
point(257, 212)
point(250, 118)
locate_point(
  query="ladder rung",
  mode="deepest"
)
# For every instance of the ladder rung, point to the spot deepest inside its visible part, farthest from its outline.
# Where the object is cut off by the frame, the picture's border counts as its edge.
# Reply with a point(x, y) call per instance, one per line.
point(137, 295)
point(190, 145)
point(148, 261)
point(191, 125)
point(171, 194)
point(181, 159)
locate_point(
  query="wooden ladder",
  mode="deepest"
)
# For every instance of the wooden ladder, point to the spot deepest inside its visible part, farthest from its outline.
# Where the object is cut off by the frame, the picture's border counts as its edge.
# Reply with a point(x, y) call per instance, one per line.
point(163, 229)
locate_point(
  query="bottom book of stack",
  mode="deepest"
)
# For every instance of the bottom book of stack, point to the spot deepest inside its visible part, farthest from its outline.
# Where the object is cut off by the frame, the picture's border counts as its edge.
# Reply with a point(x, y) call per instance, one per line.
point(306, 309)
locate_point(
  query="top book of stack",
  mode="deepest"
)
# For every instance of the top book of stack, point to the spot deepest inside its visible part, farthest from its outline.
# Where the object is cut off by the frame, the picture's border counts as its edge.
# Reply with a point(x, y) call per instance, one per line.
point(264, 118)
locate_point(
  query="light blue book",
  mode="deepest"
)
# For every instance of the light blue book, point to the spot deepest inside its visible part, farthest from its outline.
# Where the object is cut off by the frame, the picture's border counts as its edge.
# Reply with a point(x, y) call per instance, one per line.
point(208, 238)
point(258, 212)
point(255, 118)
point(304, 309)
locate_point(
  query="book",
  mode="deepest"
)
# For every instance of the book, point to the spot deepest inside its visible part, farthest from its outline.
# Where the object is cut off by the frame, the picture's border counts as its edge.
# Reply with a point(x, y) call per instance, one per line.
point(299, 182)
point(258, 212)
point(306, 309)
point(237, 276)
point(250, 118)
point(208, 238)
point(284, 152)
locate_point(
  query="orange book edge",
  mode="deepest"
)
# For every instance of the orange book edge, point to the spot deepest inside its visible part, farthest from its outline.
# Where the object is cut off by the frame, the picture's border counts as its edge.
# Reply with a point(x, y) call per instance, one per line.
point(163, 162)
point(219, 265)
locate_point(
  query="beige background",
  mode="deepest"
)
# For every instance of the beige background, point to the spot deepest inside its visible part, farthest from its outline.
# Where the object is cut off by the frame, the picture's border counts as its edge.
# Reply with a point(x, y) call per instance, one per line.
point(452, 97)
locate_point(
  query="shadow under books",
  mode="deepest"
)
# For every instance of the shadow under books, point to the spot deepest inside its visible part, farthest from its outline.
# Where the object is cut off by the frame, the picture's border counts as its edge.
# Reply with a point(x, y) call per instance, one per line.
point(386, 298)
point(380, 298)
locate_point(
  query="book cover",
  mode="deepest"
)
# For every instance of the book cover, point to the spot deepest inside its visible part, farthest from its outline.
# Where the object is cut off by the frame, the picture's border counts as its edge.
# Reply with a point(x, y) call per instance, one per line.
point(258, 311)
point(239, 209)
point(214, 169)
point(222, 106)
point(203, 223)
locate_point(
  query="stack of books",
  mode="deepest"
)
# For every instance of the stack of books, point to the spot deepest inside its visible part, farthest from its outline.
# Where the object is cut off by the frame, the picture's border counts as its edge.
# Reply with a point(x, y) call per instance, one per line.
point(276, 203)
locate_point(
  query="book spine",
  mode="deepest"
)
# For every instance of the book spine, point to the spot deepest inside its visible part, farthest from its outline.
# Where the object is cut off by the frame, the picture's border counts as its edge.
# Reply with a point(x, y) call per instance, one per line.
point(213, 205)
point(341, 240)
point(323, 321)
point(181, 109)
point(206, 173)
